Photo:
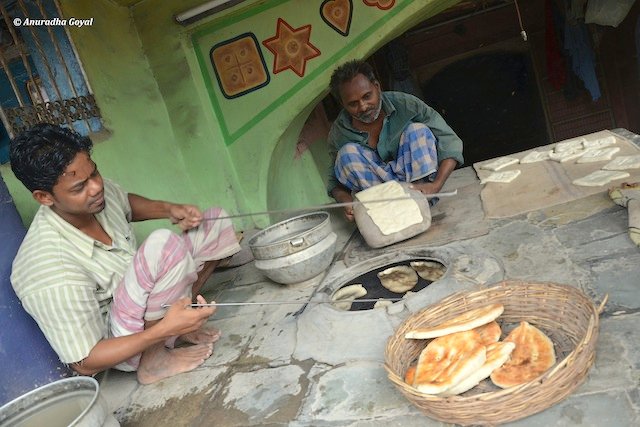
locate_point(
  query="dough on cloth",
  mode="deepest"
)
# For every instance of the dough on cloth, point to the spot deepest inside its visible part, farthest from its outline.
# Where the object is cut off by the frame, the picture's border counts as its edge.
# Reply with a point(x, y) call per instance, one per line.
point(464, 322)
point(390, 216)
point(567, 155)
point(499, 163)
point(447, 360)
point(502, 177)
point(598, 154)
point(600, 142)
point(569, 145)
point(533, 355)
point(535, 156)
point(497, 354)
point(600, 177)
point(398, 279)
point(623, 163)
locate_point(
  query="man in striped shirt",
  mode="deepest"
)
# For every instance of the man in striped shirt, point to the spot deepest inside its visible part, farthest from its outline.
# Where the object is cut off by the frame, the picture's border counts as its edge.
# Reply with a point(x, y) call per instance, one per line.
point(96, 296)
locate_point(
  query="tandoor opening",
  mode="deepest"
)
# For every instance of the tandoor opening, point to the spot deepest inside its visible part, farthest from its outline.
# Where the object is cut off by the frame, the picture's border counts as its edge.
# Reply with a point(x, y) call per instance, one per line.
point(376, 291)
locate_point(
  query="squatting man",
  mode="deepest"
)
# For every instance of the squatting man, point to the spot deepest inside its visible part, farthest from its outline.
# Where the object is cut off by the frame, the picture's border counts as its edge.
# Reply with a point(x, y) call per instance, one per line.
point(96, 296)
point(385, 136)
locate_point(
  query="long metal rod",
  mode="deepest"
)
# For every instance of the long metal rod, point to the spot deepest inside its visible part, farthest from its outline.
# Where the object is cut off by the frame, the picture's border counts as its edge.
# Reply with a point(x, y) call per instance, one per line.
point(334, 205)
point(223, 304)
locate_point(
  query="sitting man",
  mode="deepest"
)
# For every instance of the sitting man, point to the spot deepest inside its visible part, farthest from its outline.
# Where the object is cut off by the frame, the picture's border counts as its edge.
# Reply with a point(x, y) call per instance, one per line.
point(95, 295)
point(384, 136)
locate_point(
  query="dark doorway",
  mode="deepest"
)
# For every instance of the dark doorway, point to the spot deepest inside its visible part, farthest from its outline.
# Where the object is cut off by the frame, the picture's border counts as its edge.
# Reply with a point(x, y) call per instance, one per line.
point(491, 101)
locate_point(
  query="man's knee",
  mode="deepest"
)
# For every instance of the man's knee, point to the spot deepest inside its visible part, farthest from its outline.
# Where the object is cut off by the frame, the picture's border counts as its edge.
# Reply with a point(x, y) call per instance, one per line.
point(350, 148)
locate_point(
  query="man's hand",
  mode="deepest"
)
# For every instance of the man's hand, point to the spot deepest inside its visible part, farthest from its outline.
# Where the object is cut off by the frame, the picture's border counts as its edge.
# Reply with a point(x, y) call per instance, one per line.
point(186, 216)
point(426, 187)
point(343, 196)
point(182, 319)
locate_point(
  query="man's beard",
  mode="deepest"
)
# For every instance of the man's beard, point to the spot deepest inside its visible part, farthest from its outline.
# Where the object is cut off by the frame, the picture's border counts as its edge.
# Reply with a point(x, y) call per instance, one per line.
point(371, 115)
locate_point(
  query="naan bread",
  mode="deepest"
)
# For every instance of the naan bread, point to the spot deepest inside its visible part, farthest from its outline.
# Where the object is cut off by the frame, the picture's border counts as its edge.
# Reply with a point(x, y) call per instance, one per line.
point(533, 355)
point(464, 322)
point(598, 154)
point(535, 156)
point(343, 297)
point(391, 216)
point(410, 375)
point(428, 270)
point(623, 163)
point(398, 279)
point(489, 333)
point(447, 360)
point(600, 177)
point(382, 303)
point(497, 354)
point(499, 163)
point(503, 177)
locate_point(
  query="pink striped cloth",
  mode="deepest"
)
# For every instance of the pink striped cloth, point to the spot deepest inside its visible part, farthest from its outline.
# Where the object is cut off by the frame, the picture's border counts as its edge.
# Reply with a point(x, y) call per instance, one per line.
point(163, 270)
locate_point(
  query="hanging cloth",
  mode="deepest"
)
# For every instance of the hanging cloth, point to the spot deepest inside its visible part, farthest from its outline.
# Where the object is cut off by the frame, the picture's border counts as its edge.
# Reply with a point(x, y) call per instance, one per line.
point(577, 43)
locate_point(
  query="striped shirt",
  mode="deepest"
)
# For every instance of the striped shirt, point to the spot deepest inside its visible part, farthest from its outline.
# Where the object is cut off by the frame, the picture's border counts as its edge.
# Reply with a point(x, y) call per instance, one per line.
point(66, 279)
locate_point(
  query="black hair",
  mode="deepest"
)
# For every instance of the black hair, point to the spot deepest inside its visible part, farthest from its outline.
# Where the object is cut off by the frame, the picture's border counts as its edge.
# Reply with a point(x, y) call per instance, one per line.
point(40, 154)
point(346, 72)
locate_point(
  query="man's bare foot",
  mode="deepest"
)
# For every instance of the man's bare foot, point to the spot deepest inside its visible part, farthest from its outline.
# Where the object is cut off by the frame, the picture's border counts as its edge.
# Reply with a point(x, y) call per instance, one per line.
point(204, 335)
point(159, 362)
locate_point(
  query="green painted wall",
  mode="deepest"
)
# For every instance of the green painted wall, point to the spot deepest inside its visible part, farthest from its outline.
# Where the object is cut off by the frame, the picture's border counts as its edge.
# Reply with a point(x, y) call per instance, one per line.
point(175, 137)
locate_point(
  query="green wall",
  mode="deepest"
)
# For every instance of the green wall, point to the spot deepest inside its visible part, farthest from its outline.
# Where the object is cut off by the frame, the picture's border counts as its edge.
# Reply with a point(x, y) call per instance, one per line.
point(175, 137)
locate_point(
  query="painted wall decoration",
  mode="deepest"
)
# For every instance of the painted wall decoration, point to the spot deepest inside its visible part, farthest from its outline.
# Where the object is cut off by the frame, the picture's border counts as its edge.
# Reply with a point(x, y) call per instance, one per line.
point(380, 4)
point(239, 65)
point(337, 14)
point(291, 48)
point(250, 74)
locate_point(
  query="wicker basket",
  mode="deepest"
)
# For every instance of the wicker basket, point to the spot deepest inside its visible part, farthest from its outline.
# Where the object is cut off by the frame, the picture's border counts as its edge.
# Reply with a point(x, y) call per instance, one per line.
point(563, 312)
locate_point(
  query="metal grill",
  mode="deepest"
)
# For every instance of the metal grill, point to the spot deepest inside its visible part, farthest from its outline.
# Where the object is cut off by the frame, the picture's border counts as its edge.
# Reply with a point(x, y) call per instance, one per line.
point(56, 90)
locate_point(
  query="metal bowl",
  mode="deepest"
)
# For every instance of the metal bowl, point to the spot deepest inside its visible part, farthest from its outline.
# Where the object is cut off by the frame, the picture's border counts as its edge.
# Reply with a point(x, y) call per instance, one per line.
point(290, 236)
point(302, 265)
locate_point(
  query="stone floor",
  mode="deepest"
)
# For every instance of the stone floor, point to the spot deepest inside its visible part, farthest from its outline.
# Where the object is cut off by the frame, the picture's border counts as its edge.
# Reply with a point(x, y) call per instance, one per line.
point(276, 365)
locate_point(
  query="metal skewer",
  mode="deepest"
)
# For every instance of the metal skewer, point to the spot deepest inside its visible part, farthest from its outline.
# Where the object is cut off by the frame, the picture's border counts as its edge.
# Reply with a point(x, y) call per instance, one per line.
point(223, 304)
point(335, 205)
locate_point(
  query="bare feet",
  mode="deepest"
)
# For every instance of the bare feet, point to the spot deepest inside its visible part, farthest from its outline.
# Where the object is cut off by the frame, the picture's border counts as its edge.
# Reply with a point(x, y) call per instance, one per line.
point(159, 362)
point(204, 335)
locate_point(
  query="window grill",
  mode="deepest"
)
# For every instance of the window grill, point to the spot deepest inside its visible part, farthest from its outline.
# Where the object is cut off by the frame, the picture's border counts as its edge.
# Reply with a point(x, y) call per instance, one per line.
point(41, 67)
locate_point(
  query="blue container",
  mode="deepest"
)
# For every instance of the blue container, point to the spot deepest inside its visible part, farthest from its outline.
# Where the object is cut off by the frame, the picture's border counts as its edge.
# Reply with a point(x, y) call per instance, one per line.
point(27, 361)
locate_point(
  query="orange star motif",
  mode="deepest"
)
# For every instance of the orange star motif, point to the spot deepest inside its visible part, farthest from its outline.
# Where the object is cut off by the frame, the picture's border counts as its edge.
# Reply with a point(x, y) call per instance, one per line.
point(291, 48)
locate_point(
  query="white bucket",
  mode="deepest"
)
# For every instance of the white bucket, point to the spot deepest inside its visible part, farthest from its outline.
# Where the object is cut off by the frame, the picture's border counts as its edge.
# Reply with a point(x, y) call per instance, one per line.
point(72, 401)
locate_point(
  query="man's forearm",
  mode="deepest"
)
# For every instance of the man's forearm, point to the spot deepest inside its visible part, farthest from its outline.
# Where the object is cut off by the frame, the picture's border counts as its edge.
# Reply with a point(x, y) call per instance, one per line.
point(446, 167)
point(109, 352)
point(341, 194)
point(143, 208)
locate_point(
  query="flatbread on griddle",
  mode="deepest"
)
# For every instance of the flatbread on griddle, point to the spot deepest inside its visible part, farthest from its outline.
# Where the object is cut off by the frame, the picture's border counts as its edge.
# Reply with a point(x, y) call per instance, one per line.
point(464, 322)
point(497, 354)
point(533, 355)
point(447, 360)
point(398, 279)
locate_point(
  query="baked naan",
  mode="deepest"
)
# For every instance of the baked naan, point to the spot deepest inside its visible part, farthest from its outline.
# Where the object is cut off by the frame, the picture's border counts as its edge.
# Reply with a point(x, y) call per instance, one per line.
point(343, 297)
point(447, 360)
point(428, 270)
point(489, 333)
point(464, 322)
point(533, 355)
point(497, 354)
point(398, 279)
point(410, 375)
